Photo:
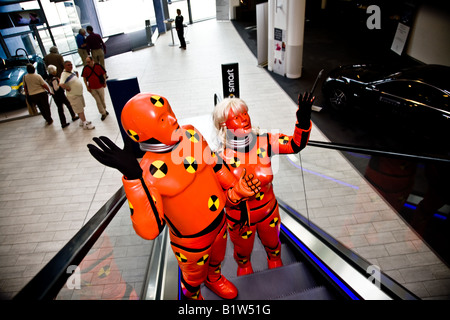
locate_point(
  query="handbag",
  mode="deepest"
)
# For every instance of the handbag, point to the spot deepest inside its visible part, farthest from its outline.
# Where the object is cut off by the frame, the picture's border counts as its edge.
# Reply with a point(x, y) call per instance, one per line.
point(31, 106)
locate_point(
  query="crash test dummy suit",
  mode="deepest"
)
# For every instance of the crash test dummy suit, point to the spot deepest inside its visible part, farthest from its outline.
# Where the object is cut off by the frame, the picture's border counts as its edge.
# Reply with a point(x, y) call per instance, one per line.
point(177, 183)
point(243, 149)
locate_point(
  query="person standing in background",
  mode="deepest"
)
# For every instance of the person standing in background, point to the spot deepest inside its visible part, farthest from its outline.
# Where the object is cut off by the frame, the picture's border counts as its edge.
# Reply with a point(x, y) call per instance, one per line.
point(81, 44)
point(179, 26)
point(60, 97)
point(95, 46)
point(36, 90)
point(54, 58)
point(94, 76)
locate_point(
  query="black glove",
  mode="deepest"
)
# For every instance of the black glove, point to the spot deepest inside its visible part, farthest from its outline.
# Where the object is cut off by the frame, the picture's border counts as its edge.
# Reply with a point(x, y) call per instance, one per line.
point(114, 157)
point(303, 113)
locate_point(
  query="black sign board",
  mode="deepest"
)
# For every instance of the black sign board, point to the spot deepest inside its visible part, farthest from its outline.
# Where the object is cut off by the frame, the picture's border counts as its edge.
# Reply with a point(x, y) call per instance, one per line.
point(278, 34)
point(230, 80)
point(120, 92)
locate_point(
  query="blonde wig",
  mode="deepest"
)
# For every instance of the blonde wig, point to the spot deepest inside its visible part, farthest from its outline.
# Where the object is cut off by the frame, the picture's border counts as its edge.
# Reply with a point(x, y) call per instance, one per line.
point(220, 116)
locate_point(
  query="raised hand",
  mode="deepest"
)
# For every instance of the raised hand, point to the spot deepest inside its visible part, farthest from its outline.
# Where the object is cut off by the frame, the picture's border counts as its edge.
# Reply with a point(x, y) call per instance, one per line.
point(303, 113)
point(112, 156)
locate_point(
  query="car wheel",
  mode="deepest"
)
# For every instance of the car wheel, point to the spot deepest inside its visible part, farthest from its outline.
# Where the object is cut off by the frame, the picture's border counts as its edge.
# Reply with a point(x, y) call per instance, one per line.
point(338, 99)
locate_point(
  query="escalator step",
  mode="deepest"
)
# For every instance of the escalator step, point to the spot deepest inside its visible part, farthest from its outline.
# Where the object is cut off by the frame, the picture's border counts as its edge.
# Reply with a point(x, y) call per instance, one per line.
point(258, 259)
point(270, 284)
point(317, 293)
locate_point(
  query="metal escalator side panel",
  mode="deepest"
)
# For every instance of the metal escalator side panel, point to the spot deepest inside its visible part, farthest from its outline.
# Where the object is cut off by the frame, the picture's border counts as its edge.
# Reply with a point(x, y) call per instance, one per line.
point(321, 266)
point(170, 278)
point(352, 282)
point(161, 281)
point(152, 282)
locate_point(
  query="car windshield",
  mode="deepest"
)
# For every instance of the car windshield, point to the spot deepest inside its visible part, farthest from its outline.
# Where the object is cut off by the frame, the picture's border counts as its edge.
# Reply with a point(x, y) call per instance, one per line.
point(417, 91)
point(17, 61)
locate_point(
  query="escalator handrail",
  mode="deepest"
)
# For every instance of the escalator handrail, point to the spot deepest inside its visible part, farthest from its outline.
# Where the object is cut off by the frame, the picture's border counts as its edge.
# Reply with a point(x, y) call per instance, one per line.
point(377, 152)
point(48, 282)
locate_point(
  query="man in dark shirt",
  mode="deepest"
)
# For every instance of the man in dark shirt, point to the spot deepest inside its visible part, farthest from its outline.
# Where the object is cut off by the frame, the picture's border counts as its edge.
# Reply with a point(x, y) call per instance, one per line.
point(54, 58)
point(180, 29)
point(95, 46)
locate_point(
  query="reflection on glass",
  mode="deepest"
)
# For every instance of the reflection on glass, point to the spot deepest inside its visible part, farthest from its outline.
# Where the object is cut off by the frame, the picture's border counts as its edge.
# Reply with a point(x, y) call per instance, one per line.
point(391, 212)
point(24, 41)
point(115, 267)
point(63, 22)
point(99, 276)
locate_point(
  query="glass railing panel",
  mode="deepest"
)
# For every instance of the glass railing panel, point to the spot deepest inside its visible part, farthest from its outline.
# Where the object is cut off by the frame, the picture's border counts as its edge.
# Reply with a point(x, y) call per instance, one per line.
point(116, 266)
point(369, 204)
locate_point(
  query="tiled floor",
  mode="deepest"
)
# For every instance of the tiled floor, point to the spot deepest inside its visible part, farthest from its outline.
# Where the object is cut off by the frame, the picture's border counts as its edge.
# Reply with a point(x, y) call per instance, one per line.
point(51, 186)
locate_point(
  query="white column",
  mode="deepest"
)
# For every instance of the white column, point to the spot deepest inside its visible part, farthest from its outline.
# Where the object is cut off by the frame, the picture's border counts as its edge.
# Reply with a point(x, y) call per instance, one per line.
point(288, 16)
point(277, 20)
point(294, 39)
point(270, 41)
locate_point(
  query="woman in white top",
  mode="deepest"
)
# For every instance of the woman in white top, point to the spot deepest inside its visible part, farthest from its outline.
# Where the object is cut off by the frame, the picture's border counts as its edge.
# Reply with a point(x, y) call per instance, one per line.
point(36, 90)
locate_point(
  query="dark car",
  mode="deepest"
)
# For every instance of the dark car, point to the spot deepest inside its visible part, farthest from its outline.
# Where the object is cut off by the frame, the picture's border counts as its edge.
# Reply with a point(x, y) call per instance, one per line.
point(417, 96)
point(12, 70)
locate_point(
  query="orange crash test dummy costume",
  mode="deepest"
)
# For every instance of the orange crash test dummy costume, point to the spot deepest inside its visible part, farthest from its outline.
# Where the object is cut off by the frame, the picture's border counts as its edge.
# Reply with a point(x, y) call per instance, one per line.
point(177, 183)
point(245, 150)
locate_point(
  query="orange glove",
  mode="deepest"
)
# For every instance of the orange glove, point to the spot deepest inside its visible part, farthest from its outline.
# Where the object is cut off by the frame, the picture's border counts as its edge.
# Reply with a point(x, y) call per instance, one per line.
point(245, 187)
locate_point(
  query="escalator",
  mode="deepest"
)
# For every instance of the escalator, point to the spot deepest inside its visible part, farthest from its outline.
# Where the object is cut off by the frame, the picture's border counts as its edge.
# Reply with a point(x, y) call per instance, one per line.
point(316, 267)
point(295, 280)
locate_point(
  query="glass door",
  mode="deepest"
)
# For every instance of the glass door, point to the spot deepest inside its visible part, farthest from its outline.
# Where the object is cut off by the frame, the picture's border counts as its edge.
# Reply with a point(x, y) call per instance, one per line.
point(118, 16)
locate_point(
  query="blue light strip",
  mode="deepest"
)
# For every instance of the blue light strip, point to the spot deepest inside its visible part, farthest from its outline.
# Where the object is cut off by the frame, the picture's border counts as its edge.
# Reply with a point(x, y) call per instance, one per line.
point(440, 216)
point(410, 206)
point(414, 207)
point(359, 155)
point(320, 264)
point(323, 176)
